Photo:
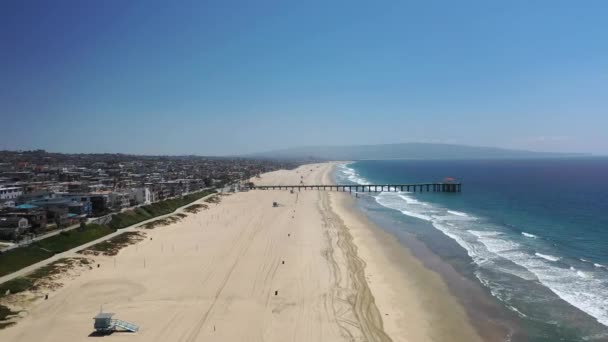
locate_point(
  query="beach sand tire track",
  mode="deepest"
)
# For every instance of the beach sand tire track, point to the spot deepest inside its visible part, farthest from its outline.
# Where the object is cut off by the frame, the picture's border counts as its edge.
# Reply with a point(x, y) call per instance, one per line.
point(243, 242)
point(359, 298)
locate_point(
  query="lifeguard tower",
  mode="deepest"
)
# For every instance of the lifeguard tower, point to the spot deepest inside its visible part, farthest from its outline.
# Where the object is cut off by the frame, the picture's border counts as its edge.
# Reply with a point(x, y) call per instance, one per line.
point(104, 324)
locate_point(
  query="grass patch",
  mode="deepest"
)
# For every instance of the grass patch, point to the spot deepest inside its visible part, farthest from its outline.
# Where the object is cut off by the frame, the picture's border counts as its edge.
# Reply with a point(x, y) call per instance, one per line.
point(41, 277)
point(19, 258)
point(15, 286)
point(195, 208)
point(147, 212)
point(5, 314)
point(165, 221)
point(114, 245)
point(213, 199)
point(73, 238)
point(44, 277)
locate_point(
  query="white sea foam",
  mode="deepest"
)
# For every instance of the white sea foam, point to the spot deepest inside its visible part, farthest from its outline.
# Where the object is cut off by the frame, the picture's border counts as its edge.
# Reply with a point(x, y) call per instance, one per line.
point(547, 257)
point(578, 288)
point(416, 215)
point(398, 201)
point(458, 213)
point(583, 274)
point(409, 200)
point(599, 265)
point(529, 235)
point(512, 308)
point(352, 175)
point(484, 233)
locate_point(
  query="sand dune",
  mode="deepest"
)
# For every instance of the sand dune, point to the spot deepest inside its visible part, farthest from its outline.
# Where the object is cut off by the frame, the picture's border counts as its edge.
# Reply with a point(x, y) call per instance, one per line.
point(243, 270)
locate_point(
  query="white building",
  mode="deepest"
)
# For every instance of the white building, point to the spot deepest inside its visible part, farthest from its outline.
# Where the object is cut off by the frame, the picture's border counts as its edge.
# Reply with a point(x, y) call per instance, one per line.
point(141, 195)
point(7, 204)
point(119, 200)
point(10, 193)
point(12, 227)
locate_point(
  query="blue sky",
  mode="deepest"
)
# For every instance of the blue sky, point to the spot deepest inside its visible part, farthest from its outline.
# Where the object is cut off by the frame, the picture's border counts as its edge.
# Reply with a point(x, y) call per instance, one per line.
point(225, 77)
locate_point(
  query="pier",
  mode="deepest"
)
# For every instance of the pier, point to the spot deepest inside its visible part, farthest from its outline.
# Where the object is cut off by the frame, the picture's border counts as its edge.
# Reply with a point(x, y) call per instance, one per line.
point(421, 187)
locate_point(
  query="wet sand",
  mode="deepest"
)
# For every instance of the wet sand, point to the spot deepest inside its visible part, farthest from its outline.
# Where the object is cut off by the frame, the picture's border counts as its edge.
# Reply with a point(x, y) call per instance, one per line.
point(414, 302)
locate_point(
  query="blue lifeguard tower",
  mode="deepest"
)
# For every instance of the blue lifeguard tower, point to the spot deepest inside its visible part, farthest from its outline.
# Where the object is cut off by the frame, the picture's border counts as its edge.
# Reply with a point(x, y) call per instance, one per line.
point(104, 324)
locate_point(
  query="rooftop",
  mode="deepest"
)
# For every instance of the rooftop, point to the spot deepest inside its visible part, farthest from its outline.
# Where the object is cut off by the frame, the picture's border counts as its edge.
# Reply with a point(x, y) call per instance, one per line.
point(26, 206)
point(103, 315)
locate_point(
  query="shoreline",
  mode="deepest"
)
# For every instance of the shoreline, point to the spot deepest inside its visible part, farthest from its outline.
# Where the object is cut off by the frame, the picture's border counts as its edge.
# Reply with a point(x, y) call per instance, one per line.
point(405, 290)
point(489, 318)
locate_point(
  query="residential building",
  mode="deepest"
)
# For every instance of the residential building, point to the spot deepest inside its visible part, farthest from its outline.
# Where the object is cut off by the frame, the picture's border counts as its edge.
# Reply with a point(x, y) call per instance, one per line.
point(100, 204)
point(11, 228)
point(57, 210)
point(4, 204)
point(35, 215)
point(119, 200)
point(84, 199)
point(10, 193)
point(141, 195)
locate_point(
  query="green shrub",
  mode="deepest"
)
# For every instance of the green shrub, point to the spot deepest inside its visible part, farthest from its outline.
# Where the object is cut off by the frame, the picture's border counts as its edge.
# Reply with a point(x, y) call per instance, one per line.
point(5, 314)
point(15, 286)
point(29, 281)
point(19, 258)
point(63, 242)
point(147, 212)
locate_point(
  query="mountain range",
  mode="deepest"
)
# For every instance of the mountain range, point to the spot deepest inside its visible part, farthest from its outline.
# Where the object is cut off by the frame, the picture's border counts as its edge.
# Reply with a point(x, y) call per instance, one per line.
point(405, 151)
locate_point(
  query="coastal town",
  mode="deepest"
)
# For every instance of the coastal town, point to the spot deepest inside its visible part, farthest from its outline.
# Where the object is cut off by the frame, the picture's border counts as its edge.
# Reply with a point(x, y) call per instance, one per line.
point(297, 171)
point(41, 192)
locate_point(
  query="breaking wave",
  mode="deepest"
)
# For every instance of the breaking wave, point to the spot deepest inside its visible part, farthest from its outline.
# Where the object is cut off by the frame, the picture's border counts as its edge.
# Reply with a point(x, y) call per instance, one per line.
point(547, 257)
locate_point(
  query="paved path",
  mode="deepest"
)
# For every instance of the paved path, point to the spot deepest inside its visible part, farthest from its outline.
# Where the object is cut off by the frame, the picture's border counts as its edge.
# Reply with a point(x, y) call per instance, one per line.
point(39, 237)
point(71, 252)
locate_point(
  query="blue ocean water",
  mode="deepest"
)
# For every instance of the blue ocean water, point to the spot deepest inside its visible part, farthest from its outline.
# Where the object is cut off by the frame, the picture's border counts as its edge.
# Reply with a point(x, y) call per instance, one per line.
point(535, 232)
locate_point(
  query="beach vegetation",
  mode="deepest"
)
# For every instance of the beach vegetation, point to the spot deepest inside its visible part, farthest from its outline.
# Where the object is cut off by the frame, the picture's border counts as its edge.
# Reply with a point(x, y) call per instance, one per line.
point(195, 208)
point(5, 315)
point(165, 221)
point(73, 238)
point(18, 258)
point(40, 277)
point(131, 217)
point(112, 246)
point(213, 199)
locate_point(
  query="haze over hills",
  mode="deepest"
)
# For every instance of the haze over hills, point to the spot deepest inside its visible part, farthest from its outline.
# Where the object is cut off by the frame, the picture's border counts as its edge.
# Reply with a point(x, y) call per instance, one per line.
point(405, 151)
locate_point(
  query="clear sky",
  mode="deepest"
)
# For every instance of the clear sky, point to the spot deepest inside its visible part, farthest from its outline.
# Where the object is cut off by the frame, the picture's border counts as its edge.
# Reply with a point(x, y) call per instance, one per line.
point(224, 77)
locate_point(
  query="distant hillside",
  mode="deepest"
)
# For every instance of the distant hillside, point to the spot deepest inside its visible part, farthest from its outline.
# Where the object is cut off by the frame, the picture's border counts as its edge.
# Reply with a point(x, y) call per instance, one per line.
point(403, 151)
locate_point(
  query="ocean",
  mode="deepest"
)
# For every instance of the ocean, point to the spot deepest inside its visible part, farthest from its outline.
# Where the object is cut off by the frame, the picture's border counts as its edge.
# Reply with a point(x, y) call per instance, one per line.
point(532, 233)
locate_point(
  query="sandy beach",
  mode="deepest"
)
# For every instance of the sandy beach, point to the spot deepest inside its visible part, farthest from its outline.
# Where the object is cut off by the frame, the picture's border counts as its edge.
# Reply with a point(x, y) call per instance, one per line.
point(311, 269)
